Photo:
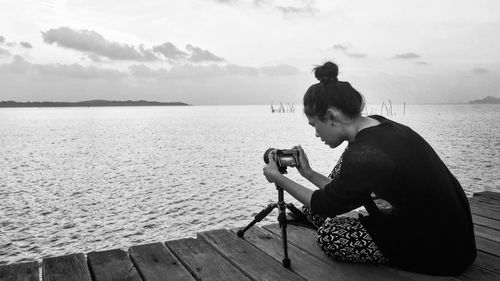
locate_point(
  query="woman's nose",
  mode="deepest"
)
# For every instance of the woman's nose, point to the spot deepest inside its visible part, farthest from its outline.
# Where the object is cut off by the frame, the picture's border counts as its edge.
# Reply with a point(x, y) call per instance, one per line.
point(317, 135)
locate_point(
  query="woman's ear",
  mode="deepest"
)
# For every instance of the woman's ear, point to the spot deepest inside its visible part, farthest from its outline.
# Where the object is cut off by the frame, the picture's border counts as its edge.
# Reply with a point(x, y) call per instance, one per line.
point(332, 115)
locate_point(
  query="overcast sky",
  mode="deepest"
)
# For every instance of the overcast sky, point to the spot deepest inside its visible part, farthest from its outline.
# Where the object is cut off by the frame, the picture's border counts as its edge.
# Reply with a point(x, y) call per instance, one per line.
point(247, 51)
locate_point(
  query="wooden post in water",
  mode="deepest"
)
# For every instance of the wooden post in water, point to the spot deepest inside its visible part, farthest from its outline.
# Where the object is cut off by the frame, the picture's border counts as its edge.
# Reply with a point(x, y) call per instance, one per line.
point(404, 108)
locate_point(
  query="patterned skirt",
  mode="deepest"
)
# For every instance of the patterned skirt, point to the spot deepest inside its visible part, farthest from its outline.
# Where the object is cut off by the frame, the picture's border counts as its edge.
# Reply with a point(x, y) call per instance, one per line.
point(345, 239)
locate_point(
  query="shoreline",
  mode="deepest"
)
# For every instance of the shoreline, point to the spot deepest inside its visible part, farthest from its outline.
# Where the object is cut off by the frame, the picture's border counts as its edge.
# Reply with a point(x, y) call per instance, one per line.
point(92, 103)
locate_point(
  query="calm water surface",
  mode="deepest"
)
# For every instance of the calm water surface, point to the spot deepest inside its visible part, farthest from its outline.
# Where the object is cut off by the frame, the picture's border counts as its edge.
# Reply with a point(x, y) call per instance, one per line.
point(90, 179)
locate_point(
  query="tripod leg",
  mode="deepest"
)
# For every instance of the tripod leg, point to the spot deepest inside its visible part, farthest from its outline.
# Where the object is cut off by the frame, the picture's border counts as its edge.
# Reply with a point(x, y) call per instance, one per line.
point(282, 223)
point(260, 216)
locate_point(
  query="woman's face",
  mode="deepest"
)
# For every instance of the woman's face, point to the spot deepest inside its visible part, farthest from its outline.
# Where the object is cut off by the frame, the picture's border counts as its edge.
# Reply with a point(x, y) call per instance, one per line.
point(331, 135)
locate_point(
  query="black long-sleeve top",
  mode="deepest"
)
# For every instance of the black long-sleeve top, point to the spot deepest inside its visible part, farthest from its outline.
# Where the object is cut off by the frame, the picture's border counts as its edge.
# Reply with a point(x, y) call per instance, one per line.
point(429, 227)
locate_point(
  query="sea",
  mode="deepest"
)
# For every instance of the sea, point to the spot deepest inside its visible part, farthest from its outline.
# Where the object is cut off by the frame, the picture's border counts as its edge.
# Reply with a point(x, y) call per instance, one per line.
point(76, 180)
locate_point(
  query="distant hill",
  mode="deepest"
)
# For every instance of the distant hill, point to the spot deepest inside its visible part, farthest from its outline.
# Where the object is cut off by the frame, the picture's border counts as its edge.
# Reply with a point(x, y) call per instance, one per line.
point(89, 103)
point(488, 99)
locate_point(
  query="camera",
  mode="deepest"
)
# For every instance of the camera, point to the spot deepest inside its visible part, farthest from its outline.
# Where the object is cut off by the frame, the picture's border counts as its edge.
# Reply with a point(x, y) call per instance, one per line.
point(284, 158)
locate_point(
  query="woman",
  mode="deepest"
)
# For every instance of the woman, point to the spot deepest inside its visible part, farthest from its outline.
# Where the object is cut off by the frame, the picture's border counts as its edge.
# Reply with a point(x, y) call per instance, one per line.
point(418, 215)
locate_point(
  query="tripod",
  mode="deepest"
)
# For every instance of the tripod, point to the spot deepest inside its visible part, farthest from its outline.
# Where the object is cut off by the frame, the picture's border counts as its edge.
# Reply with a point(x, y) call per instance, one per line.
point(282, 206)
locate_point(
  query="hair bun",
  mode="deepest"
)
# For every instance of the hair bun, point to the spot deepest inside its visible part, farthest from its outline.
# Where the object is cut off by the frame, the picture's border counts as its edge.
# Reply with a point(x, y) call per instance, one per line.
point(327, 72)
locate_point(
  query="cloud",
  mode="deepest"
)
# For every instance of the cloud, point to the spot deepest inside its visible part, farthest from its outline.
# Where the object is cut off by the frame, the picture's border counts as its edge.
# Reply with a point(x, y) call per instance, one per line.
point(2, 39)
point(421, 63)
point(93, 57)
point(233, 69)
point(308, 9)
point(407, 56)
point(96, 47)
point(184, 71)
point(168, 50)
point(279, 70)
point(4, 52)
point(20, 66)
point(227, 1)
point(344, 48)
point(297, 7)
point(142, 71)
point(79, 71)
point(355, 55)
point(26, 45)
point(189, 71)
point(200, 55)
point(341, 47)
point(480, 70)
point(91, 42)
point(17, 66)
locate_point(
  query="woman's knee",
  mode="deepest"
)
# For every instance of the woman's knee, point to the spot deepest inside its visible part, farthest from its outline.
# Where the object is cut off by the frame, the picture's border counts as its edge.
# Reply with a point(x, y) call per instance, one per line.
point(345, 239)
point(333, 234)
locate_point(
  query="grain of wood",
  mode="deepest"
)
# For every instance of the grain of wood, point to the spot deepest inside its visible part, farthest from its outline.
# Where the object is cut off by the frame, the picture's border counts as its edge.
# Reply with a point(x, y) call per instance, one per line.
point(203, 261)
point(27, 271)
point(487, 233)
point(488, 194)
point(247, 258)
point(488, 246)
point(486, 203)
point(478, 274)
point(66, 268)
point(486, 222)
point(489, 262)
point(155, 262)
point(112, 265)
point(477, 210)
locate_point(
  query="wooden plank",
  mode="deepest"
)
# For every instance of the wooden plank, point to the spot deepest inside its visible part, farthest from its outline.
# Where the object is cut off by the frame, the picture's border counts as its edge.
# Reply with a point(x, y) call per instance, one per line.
point(26, 271)
point(475, 273)
point(246, 257)
point(487, 233)
point(305, 239)
point(487, 194)
point(66, 268)
point(312, 268)
point(492, 205)
point(488, 246)
point(203, 261)
point(112, 265)
point(485, 200)
point(485, 212)
point(487, 261)
point(486, 222)
point(155, 262)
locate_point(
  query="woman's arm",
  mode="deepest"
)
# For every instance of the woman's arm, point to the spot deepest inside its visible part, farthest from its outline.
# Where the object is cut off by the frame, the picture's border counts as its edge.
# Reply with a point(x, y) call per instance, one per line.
point(308, 173)
point(299, 192)
point(317, 179)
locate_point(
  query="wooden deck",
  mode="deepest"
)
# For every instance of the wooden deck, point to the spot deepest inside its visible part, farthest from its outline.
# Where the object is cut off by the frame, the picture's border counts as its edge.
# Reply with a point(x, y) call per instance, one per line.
point(221, 255)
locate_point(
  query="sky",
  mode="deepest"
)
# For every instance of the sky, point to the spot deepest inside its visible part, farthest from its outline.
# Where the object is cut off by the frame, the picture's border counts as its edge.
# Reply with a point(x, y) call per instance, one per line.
point(217, 52)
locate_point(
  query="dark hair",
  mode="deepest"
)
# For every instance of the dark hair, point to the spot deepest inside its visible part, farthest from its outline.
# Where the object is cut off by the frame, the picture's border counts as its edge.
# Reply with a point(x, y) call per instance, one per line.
point(331, 92)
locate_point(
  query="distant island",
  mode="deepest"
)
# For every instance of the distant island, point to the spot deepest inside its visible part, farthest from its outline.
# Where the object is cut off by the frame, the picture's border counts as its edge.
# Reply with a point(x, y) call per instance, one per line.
point(89, 103)
point(488, 99)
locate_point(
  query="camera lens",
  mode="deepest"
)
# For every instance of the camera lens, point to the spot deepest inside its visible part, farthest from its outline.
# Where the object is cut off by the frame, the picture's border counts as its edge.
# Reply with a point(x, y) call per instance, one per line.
point(266, 155)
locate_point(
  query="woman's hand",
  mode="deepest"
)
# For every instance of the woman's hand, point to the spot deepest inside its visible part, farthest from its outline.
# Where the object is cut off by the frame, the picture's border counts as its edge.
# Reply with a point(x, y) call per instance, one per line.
point(304, 167)
point(271, 171)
